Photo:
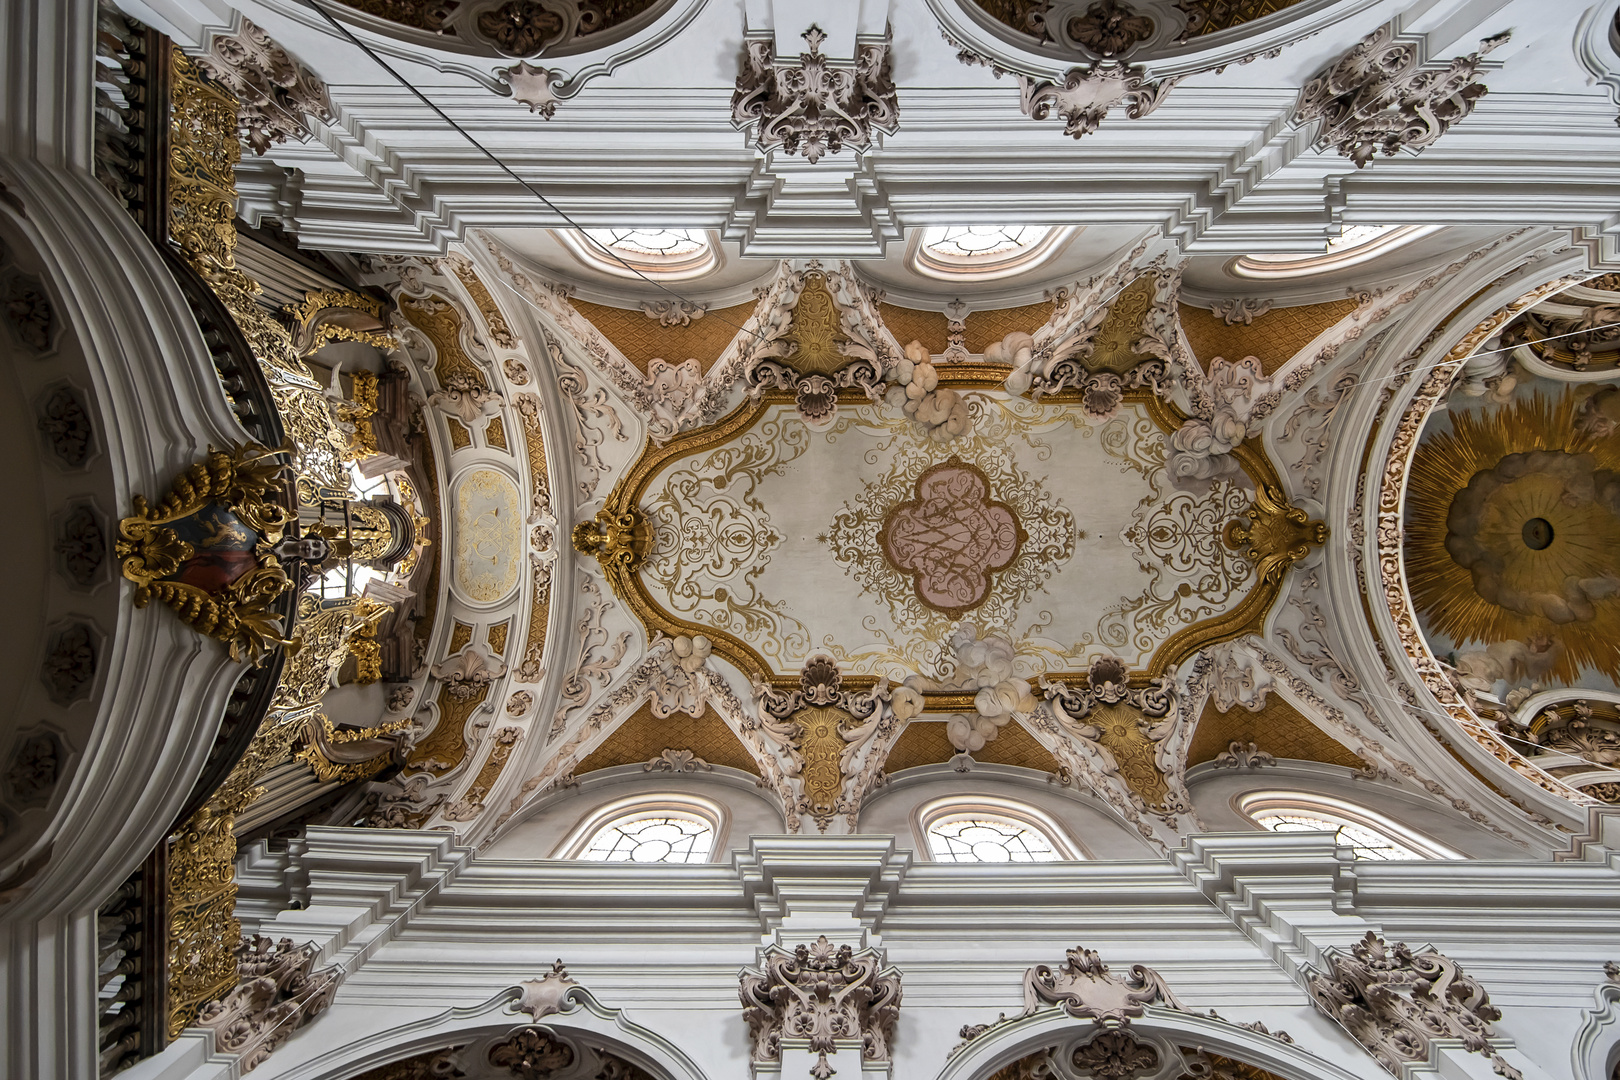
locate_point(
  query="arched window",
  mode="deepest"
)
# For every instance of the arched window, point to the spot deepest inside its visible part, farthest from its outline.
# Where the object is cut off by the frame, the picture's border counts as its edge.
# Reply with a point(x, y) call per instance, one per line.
point(1356, 244)
point(655, 836)
point(649, 829)
point(984, 252)
point(1368, 835)
point(989, 830)
point(671, 254)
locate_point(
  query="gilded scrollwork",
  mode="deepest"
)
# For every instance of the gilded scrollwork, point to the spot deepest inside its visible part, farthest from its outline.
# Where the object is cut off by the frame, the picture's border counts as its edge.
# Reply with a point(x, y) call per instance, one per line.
point(204, 549)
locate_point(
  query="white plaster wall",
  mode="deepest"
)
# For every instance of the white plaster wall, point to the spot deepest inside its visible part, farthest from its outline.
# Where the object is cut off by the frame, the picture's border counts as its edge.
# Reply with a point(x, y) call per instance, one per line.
point(539, 834)
point(1087, 822)
point(1215, 793)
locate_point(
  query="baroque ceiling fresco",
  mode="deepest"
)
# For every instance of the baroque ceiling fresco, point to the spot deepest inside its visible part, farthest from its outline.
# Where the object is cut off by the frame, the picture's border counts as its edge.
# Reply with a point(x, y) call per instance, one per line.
point(863, 425)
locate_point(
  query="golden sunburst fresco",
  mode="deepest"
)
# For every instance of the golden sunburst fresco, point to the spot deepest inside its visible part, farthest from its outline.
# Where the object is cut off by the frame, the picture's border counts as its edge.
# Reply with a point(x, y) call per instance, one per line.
point(1513, 531)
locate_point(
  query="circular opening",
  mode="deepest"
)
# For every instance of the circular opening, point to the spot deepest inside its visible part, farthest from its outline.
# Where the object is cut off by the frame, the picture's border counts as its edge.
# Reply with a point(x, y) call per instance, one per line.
point(1538, 534)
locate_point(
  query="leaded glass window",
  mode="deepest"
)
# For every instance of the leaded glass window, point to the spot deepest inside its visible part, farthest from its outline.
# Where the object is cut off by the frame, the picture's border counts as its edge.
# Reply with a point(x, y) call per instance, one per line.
point(982, 241)
point(1365, 842)
point(986, 839)
point(658, 243)
point(652, 837)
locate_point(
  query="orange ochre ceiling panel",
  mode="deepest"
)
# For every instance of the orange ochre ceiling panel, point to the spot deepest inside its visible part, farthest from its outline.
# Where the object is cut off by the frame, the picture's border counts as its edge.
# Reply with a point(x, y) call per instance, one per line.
point(642, 340)
point(1273, 338)
point(924, 743)
point(644, 736)
point(1278, 728)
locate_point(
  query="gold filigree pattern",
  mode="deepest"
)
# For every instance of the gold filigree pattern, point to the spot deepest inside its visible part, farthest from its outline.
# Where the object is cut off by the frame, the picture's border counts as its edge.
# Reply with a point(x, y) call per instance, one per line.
point(819, 737)
point(815, 333)
point(1120, 732)
point(712, 537)
point(445, 747)
point(1048, 529)
point(203, 928)
point(496, 636)
point(202, 211)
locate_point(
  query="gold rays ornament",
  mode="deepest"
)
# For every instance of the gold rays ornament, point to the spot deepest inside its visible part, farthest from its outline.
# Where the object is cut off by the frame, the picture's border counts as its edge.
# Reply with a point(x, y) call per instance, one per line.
point(1513, 532)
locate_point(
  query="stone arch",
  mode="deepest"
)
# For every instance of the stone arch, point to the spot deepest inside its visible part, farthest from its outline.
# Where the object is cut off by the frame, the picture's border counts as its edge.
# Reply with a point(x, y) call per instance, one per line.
point(1163, 1030)
point(583, 1022)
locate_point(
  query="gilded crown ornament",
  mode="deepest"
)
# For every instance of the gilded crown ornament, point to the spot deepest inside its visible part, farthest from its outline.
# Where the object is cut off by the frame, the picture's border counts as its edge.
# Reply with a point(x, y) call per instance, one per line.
point(1277, 535)
point(615, 539)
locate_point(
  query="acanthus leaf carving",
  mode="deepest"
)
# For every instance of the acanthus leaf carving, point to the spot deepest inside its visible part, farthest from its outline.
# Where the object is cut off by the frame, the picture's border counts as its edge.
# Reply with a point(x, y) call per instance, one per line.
point(279, 992)
point(272, 89)
point(1393, 1001)
point(815, 106)
point(468, 674)
point(1083, 987)
point(1379, 98)
point(1116, 1055)
point(825, 994)
point(1086, 94)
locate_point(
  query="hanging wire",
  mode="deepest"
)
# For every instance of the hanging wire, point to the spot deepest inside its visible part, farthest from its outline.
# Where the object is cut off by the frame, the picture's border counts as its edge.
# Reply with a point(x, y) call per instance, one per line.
point(508, 170)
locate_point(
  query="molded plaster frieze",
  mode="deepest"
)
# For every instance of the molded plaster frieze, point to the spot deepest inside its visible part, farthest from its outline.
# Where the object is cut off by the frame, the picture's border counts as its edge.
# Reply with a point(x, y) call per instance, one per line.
point(595, 420)
point(1310, 426)
point(670, 398)
point(1380, 97)
point(814, 105)
point(668, 313)
point(1241, 755)
point(1129, 743)
point(1054, 357)
point(1417, 403)
point(1383, 762)
point(274, 92)
point(1237, 676)
point(668, 685)
point(801, 349)
point(1374, 307)
point(1394, 1000)
point(468, 674)
point(599, 654)
point(825, 994)
point(1242, 309)
point(1086, 95)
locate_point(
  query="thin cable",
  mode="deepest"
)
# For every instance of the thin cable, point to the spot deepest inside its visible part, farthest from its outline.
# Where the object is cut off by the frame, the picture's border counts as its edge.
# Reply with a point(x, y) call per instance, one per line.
point(536, 192)
point(1546, 751)
point(1490, 352)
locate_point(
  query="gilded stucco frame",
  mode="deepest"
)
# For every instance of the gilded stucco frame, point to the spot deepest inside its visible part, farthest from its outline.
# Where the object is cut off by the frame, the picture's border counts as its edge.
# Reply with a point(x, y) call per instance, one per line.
point(1247, 617)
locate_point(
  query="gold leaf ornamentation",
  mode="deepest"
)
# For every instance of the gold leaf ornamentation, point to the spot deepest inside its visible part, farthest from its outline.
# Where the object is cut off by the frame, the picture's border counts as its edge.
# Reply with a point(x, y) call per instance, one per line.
point(243, 489)
point(1277, 535)
point(616, 539)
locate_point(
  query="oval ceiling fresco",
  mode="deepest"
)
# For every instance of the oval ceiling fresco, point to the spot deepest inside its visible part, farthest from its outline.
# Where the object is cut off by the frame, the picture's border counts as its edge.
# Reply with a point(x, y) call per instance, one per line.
point(488, 542)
